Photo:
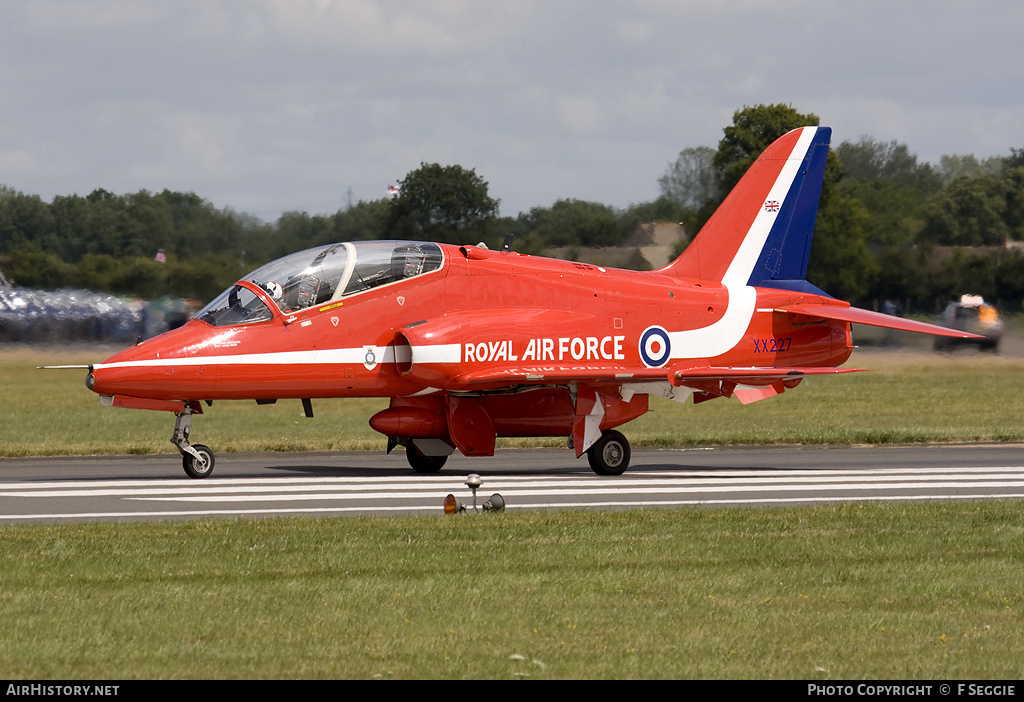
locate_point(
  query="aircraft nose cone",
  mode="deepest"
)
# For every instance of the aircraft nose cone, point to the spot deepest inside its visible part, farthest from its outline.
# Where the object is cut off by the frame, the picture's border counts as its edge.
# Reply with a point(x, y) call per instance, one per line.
point(90, 381)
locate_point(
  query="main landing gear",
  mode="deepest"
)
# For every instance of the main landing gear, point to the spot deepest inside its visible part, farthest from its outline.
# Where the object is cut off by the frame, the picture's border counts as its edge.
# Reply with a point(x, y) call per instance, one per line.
point(610, 454)
point(421, 463)
point(197, 460)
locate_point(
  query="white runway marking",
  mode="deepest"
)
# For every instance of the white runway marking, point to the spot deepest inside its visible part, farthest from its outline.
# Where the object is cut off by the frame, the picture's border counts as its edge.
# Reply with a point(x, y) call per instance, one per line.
point(129, 499)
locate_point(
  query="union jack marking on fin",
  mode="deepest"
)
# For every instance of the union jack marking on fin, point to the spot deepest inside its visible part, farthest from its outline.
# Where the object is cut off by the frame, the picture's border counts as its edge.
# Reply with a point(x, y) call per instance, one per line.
point(771, 206)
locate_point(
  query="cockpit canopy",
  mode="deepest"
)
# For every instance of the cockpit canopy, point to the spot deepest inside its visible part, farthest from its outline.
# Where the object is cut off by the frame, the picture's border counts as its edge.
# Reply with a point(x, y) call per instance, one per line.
point(320, 275)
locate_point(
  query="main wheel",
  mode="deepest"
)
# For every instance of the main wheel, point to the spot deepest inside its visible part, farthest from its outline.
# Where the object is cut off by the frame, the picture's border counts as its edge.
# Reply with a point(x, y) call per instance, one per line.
point(196, 468)
point(610, 454)
point(421, 463)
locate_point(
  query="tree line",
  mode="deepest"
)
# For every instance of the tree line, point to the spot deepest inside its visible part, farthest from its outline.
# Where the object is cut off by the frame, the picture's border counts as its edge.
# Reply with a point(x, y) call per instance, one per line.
point(889, 226)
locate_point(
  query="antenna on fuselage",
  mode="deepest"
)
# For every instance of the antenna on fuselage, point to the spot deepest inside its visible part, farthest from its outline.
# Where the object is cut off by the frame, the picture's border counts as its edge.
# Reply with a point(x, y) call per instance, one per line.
point(507, 244)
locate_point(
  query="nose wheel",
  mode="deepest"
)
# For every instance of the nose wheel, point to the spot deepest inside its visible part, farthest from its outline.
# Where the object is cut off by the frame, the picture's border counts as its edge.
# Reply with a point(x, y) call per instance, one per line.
point(199, 464)
point(197, 460)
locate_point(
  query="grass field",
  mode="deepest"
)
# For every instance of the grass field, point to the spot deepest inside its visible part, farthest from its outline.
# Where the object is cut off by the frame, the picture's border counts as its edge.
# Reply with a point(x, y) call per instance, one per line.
point(874, 591)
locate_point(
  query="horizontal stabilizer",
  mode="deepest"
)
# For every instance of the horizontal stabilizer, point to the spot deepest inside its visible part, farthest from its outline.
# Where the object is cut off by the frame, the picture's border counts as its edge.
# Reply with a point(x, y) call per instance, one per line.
point(856, 315)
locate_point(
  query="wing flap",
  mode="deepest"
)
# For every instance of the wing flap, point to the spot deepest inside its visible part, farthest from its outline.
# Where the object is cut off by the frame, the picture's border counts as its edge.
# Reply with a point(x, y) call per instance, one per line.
point(750, 376)
point(745, 384)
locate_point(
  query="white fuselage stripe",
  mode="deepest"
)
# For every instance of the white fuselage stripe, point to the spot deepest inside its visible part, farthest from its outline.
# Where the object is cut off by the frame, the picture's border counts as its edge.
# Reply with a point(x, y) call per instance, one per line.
point(440, 353)
point(437, 353)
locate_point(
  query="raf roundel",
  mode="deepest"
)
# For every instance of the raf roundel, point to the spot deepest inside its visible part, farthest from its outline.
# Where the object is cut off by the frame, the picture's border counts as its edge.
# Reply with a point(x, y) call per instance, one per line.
point(655, 347)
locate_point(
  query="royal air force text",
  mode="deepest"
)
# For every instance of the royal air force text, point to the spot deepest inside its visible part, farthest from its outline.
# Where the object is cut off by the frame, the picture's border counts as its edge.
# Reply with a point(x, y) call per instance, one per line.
point(591, 348)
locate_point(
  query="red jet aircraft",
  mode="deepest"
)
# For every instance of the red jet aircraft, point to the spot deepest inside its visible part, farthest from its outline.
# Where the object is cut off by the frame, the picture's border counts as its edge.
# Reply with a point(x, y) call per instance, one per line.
point(471, 344)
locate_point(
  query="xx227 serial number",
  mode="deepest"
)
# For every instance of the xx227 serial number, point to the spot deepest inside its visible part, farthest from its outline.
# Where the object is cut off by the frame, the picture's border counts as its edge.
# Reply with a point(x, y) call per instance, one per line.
point(780, 345)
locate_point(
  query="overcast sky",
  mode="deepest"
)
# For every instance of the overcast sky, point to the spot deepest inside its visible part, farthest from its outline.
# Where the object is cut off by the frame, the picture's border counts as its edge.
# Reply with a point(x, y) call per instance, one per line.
point(270, 106)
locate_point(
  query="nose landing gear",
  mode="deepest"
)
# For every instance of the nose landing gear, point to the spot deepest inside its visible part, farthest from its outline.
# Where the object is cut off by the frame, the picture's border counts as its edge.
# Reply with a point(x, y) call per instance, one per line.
point(197, 460)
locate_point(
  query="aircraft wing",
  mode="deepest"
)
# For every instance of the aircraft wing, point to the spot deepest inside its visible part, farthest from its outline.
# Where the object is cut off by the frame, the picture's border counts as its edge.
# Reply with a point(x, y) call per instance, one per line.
point(502, 377)
point(874, 319)
point(675, 375)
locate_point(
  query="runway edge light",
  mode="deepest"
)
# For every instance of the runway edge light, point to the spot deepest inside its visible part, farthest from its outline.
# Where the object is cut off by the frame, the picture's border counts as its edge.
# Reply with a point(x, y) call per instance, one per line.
point(451, 505)
point(496, 503)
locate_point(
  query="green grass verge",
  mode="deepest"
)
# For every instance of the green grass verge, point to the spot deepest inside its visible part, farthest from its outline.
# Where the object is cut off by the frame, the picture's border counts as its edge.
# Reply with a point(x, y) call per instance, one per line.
point(874, 591)
point(911, 398)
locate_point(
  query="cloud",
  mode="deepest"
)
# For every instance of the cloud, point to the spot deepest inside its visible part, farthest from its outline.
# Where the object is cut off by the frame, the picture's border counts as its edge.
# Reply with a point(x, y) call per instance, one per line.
point(268, 106)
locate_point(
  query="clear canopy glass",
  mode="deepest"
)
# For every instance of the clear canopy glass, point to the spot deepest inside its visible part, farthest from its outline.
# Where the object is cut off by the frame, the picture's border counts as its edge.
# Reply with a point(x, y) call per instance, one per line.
point(321, 275)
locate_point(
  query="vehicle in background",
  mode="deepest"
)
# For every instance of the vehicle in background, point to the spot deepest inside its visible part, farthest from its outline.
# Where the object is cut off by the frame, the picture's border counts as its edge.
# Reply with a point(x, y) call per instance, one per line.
point(971, 314)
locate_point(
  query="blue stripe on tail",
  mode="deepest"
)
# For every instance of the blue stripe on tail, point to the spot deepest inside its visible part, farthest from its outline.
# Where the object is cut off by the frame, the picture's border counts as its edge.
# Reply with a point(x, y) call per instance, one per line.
point(783, 260)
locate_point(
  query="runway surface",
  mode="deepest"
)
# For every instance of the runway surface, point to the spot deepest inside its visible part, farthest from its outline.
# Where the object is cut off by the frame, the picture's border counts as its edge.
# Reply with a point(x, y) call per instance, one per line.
point(40, 490)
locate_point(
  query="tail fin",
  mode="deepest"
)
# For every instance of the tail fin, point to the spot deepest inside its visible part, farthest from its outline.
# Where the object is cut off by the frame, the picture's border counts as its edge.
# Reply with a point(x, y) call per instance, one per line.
point(761, 233)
